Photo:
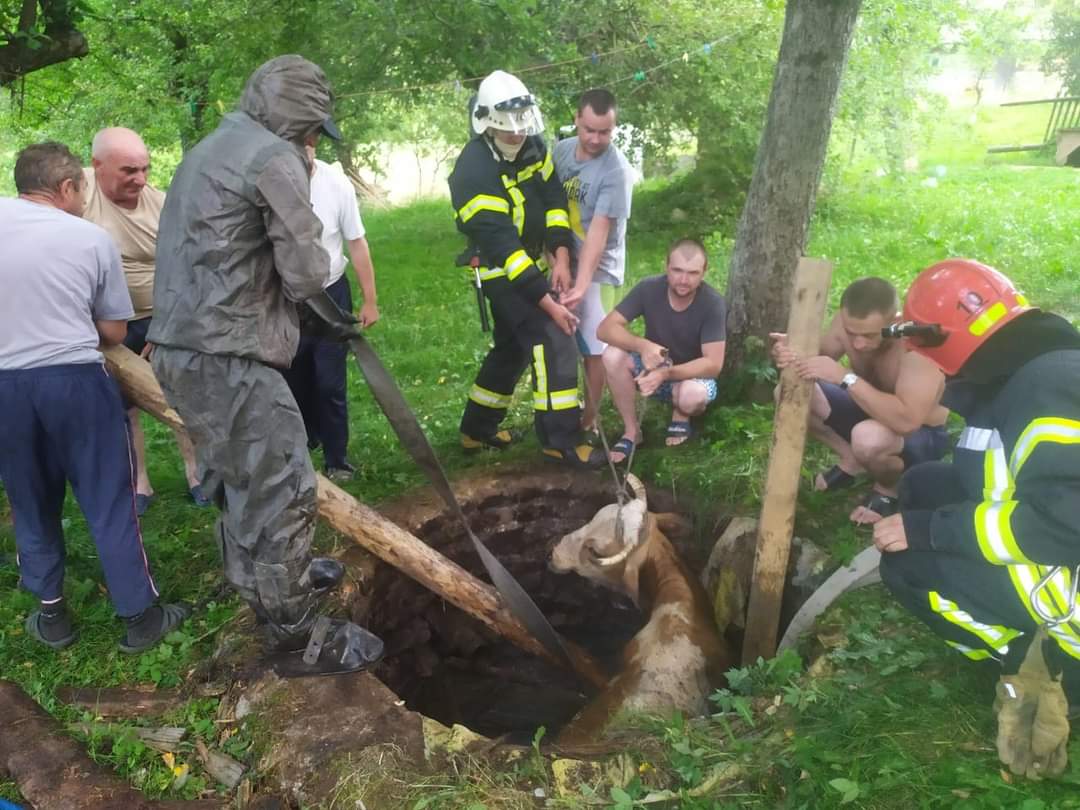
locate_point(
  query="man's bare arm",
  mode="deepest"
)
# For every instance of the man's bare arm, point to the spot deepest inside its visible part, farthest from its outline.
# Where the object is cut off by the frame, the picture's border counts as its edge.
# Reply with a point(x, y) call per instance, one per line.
point(708, 366)
point(591, 251)
point(112, 333)
point(919, 385)
point(365, 277)
point(832, 342)
point(831, 345)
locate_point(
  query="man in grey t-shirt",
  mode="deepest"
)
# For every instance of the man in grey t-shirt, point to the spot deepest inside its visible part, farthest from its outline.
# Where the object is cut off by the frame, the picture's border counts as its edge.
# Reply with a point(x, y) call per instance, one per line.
point(682, 352)
point(61, 418)
point(598, 182)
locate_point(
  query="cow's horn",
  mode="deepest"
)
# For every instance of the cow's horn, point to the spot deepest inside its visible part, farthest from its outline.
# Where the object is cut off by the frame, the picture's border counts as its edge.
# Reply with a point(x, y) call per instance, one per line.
point(637, 488)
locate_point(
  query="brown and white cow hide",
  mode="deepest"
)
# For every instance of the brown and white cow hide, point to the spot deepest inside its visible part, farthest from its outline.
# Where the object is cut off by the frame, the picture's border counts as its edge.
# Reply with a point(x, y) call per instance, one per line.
point(678, 658)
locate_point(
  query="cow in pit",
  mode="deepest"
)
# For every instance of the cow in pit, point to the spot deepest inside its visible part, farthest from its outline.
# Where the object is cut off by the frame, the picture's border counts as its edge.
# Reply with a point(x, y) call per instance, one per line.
point(678, 657)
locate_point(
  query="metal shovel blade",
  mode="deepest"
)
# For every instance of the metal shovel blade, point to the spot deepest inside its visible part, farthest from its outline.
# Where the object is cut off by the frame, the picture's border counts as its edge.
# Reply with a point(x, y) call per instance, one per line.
point(407, 427)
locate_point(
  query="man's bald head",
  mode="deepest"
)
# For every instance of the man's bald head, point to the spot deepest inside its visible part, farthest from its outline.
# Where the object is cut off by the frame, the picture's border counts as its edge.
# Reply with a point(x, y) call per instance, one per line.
point(121, 162)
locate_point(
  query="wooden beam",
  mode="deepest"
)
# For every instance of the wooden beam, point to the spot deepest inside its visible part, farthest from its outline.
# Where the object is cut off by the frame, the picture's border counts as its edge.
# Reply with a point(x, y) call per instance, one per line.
point(53, 772)
point(384, 539)
point(140, 386)
point(777, 522)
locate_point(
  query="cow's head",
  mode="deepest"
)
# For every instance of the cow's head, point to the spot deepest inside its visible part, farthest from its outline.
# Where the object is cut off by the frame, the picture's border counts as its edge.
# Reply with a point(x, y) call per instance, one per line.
point(599, 550)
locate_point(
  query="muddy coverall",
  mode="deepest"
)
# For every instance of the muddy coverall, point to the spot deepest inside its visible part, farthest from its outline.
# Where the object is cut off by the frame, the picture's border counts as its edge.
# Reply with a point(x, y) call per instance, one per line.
point(983, 531)
point(238, 247)
point(511, 210)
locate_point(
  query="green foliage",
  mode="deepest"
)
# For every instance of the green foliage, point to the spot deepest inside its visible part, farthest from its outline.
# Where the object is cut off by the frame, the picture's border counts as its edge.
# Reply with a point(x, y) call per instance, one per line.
point(883, 96)
point(1062, 56)
point(157, 665)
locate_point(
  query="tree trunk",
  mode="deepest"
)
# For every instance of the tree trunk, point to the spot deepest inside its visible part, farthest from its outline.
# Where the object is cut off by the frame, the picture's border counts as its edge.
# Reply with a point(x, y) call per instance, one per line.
point(772, 231)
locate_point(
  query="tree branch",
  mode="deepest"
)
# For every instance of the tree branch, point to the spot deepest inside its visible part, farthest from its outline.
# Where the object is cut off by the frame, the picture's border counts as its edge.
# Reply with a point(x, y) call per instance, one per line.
point(18, 58)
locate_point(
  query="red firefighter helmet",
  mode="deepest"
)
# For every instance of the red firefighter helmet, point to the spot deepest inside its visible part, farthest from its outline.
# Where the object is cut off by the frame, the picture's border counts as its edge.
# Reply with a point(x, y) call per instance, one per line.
point(968, 300)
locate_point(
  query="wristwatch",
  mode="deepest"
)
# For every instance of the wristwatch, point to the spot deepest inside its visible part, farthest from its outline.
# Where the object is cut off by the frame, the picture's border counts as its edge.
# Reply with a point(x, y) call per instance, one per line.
point(849, 380)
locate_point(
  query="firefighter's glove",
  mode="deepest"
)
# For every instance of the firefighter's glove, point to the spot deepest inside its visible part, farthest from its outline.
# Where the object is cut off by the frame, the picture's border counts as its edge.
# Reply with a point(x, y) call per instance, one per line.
point(1032, 714)
point(321, 317)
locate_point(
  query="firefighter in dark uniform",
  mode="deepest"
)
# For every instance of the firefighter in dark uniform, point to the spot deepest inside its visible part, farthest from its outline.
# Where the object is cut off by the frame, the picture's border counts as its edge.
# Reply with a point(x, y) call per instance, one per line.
point(986, 549)
point(509, 203)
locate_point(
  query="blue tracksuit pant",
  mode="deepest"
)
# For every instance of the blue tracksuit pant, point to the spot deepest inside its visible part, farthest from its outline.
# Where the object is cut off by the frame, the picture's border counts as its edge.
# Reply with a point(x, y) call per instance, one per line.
point(67, 423)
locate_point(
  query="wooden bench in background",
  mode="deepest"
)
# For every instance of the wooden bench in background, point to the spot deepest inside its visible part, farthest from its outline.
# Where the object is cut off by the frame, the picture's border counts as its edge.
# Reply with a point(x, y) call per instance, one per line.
point(1062, 130)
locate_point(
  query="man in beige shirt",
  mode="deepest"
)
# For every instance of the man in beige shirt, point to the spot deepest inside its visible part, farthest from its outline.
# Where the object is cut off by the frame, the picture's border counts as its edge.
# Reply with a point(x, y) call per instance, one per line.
point(119, 199)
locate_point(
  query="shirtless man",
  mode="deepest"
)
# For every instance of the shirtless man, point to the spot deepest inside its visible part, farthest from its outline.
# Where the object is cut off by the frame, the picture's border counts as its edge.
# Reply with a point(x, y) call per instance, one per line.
point(881, 415)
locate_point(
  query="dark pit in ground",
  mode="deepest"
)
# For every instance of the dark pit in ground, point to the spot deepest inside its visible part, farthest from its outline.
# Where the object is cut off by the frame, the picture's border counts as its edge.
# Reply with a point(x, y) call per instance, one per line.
point(450, 667)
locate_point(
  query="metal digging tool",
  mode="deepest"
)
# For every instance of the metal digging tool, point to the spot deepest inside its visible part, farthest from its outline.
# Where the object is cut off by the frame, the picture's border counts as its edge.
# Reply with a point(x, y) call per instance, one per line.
point(408, 430)
point(471, 258)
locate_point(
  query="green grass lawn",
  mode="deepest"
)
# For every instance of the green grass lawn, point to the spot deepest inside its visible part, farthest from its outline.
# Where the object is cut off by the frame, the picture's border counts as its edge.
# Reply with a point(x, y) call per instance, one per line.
point(890, 719)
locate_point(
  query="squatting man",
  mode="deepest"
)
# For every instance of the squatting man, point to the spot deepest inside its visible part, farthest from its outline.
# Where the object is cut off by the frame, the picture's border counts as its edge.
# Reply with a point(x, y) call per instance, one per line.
point(880, 416)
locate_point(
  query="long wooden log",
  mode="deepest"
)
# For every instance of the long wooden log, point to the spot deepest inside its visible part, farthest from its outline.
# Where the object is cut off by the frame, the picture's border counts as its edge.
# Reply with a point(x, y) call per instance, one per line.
point(785, 463)
point(140, 385)
point(375, 533)
point(53, 772)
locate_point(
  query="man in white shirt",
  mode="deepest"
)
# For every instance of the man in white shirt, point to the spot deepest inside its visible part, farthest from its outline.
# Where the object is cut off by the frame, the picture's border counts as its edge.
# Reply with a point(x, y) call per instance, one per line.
point(317, 375)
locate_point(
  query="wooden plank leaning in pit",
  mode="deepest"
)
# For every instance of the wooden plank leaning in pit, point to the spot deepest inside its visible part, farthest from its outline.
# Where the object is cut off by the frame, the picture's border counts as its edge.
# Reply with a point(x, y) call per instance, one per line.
point(777, 521)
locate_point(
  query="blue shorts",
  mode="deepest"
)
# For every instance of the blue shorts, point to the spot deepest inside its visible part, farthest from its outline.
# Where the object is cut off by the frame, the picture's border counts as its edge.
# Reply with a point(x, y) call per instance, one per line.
point(663, 393)
point(925, 444)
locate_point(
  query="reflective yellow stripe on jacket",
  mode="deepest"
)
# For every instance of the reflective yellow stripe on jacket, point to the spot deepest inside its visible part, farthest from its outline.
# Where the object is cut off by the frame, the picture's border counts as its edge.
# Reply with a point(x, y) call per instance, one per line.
point(557, 217)
point(993, 519)
point(483, 202)
point(517, 263)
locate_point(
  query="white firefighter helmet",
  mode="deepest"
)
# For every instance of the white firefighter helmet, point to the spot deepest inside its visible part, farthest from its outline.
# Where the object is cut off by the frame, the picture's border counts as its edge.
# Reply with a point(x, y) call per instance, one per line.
point(503, 102)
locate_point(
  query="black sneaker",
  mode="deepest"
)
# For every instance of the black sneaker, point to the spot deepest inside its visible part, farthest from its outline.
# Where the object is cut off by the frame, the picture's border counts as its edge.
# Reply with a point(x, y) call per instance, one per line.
point(343, 472)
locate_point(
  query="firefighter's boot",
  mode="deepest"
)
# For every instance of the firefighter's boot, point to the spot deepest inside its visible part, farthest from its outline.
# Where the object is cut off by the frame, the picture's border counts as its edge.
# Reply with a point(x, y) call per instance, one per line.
point(301, 642)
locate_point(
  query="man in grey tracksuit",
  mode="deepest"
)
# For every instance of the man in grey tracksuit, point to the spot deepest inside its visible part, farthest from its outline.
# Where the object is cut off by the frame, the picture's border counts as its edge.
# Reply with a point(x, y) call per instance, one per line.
point(238, 250)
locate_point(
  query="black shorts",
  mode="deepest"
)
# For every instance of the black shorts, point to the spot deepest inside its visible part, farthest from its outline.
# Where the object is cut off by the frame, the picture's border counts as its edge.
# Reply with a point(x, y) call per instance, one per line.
point(136, 334)
point(925, 444)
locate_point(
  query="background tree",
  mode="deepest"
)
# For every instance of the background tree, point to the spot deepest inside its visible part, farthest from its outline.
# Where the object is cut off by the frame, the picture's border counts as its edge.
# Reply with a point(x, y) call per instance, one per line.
point(771, 233)
point(995, 42)
point(1062, 56)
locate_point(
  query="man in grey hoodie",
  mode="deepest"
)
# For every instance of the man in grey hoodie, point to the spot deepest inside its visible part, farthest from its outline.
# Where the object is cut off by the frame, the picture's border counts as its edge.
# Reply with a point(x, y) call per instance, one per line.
point(238, 250)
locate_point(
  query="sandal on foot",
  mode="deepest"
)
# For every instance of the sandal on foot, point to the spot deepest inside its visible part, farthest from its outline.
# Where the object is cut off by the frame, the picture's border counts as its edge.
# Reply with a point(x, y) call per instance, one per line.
point(198, 498)
point(625, 445)
point(880, 504)
point(581, 457)
point(497, 441)
point(679, 430)
point(152, 625)
point(67, 634)
point(142, 503)
point(836, 478)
